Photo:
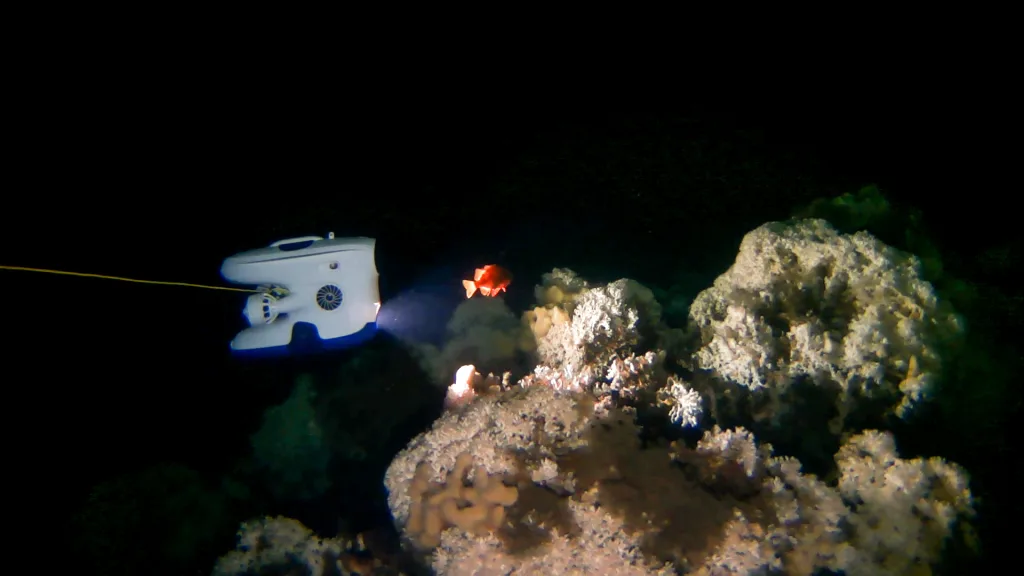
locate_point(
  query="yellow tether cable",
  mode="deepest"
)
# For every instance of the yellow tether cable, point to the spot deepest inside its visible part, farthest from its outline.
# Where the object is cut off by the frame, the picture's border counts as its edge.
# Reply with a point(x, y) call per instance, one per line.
point(105, 277)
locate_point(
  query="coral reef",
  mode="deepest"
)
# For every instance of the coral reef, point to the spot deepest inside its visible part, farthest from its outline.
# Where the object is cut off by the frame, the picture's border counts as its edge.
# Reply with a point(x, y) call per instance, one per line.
point(587, 329)
point(594, 497)
point(803, 303)
point(591, 498)
point(284, 546)
point(586, 337)
point(593, 461)
point(537, 437)
point(494, 428)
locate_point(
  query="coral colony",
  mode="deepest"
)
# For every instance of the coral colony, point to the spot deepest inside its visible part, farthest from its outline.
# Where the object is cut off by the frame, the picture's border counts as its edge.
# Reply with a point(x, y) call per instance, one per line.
point(563, 471)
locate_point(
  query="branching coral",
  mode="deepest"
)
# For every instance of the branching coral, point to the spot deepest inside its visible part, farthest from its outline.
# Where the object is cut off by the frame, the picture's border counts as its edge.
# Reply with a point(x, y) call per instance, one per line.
point(582, 330)
point(685, 407)
point(587, 339)
point(726, 459)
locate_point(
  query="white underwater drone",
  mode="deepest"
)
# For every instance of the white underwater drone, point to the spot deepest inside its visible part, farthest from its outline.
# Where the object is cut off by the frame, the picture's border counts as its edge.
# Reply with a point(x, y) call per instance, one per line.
point(314, 293)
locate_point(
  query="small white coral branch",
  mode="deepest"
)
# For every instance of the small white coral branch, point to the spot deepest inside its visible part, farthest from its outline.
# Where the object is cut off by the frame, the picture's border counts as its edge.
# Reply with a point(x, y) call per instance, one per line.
point(685, 402)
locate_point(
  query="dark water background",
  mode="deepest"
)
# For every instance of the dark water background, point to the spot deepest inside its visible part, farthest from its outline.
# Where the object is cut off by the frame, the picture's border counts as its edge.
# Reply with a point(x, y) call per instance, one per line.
point(104, 378)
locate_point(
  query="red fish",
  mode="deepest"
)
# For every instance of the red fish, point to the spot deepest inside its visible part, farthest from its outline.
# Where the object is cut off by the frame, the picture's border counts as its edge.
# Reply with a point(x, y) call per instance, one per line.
point(490, 280)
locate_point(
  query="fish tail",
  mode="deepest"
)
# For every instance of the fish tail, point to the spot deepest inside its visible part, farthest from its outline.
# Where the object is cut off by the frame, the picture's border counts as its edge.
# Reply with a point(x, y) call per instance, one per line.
point(470, 287)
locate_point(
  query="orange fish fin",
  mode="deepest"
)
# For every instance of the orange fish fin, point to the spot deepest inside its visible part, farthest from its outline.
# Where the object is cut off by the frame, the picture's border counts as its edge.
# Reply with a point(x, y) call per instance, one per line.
point(485, 290)
point(499, 290)
point(470, 288)
point(478, 274)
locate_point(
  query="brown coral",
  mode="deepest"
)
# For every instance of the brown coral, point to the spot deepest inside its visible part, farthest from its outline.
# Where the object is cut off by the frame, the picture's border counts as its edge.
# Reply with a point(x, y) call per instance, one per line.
point(478, 508)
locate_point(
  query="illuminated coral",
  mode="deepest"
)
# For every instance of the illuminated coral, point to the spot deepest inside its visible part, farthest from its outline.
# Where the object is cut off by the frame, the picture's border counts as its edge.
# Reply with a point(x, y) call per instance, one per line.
point(478, 508)
point(684, 402)
point(845, 312)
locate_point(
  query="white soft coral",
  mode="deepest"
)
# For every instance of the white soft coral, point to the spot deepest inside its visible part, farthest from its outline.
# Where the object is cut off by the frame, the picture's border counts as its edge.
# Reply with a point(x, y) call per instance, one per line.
point(804, 301)
point(904, 510)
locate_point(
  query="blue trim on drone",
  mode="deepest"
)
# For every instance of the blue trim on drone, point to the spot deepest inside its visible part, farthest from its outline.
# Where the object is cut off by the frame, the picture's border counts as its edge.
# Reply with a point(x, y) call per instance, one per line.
point(306, 340)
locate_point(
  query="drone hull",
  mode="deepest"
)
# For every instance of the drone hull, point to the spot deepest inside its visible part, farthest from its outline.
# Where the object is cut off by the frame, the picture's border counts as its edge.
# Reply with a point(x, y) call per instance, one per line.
point(314, 294)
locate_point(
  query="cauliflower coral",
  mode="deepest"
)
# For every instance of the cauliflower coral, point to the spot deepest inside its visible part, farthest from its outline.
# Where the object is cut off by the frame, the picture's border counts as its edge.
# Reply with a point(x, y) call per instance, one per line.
point(803, 302)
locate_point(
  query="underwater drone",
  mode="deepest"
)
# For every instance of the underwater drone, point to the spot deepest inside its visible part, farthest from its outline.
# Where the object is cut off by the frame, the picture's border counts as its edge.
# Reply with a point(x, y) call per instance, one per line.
point(313, 293)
